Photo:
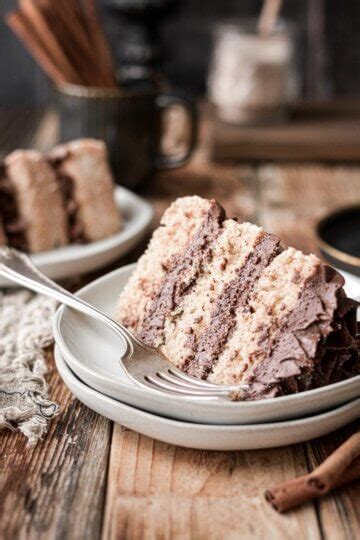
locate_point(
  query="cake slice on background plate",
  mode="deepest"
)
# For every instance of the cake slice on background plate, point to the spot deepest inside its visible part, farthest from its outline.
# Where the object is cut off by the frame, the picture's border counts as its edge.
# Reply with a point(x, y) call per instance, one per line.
point(83, 171)
point(50, 201)
point(224, 301)
point(31, 205)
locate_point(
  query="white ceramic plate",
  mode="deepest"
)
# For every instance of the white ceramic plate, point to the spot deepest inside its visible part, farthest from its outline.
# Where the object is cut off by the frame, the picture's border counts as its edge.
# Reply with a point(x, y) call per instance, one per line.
point(92, 351)
point(208, 437)
point(79, 259)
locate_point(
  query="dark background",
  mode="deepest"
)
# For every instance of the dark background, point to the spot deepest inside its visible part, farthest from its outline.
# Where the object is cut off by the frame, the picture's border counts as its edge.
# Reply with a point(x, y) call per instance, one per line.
point(328, 47)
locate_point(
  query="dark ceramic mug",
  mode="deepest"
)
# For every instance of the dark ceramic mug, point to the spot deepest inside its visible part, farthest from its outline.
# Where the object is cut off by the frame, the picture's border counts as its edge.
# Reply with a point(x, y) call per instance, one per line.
point(130, 123)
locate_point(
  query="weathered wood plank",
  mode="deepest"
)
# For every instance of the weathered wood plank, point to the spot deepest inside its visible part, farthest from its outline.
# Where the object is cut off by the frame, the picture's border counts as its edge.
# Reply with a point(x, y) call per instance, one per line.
point(157, 490)
point(320, 136)
point(231, 186)
point(291, 198)
point(56, 489)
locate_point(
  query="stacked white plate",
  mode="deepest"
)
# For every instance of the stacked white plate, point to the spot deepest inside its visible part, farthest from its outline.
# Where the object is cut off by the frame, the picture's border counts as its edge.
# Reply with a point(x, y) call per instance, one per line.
point(87, 356)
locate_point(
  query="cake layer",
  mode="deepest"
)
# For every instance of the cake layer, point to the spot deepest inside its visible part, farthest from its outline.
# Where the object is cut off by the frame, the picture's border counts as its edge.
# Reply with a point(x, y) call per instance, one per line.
point(83, 170)
point(38, 199)
point(182, 277)
point(203, 319)
point(274, 296)
point(179, 224)
point(231, 300)
point(225, 302)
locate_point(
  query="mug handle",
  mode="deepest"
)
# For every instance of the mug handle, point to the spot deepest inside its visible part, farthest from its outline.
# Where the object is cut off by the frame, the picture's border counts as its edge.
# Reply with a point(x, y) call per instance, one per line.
point(163, 161)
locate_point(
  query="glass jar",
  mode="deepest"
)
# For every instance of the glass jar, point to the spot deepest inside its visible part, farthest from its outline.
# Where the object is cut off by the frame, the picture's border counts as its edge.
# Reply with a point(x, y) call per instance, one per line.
point(252, 78)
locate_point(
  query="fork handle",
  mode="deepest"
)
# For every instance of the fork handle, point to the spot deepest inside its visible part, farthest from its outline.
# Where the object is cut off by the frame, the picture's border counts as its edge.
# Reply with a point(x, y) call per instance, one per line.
point(18, 267)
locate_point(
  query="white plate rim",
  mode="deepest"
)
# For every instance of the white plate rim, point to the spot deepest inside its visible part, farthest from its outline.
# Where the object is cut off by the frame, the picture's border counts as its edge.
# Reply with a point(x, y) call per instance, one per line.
point(211, 427)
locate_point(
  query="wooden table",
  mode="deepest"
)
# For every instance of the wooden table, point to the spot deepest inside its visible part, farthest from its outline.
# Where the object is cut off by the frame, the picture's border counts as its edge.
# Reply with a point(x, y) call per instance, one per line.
point(91, 478)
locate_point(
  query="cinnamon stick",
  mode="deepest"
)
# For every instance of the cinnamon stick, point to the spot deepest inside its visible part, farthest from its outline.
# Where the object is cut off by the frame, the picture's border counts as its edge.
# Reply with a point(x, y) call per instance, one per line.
point(73, 42)
point(98, 35)
point(84, 48)
point(67, 40)
point(20, 26)
point(74, 10)
point(32, 11)
point(341, 467)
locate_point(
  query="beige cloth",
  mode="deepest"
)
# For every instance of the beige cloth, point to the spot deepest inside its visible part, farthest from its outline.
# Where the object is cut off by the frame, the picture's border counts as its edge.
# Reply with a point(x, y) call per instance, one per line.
point(25, 330)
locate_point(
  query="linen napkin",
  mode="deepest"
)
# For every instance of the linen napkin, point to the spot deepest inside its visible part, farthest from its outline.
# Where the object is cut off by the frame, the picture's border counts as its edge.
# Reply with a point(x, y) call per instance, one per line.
point(25, 330)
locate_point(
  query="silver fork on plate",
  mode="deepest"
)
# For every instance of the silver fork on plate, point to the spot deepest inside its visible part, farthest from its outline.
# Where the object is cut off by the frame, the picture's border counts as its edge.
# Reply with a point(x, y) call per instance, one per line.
point(145, 365)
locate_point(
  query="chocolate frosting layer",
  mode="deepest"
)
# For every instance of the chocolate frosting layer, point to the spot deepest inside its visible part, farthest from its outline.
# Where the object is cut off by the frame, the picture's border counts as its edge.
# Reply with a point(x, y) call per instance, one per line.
point(14, 227)
point(234, 296)
point(66, 185)
point(182, 275)
point(75, 230)
point(317, 345)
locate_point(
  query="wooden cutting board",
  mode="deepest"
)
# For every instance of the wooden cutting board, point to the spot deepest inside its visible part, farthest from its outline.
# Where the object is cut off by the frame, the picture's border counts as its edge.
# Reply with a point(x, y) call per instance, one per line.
point(314, 132)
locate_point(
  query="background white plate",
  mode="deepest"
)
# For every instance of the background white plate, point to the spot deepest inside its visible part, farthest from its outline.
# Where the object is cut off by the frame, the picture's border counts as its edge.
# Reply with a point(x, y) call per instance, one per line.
point(79, 259)
point(208, 437)
point(93, 351)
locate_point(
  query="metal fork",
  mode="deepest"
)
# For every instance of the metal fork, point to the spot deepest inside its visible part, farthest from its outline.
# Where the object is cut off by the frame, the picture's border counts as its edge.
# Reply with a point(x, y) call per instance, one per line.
point(145, 365)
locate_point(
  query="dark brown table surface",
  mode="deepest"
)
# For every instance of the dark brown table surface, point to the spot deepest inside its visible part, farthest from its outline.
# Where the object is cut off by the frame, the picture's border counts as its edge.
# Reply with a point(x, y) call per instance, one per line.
point(91, 478)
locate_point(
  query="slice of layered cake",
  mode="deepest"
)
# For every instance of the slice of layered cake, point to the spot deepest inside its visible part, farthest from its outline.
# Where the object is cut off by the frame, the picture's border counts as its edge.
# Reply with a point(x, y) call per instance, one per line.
point(225, 302)
point(28, 189)
point(87, 185)
point(50, 201)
